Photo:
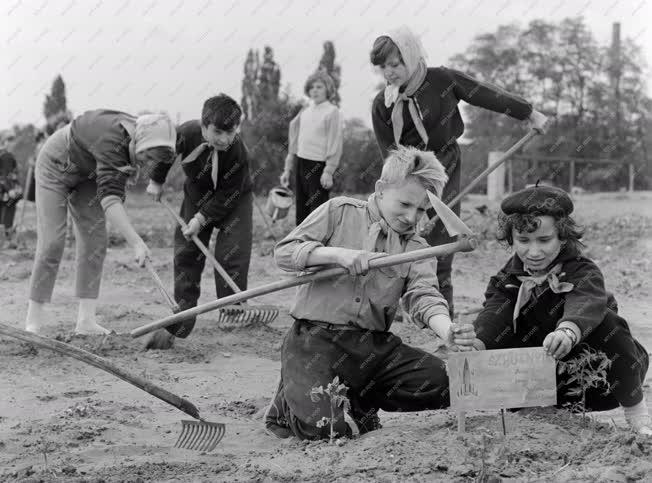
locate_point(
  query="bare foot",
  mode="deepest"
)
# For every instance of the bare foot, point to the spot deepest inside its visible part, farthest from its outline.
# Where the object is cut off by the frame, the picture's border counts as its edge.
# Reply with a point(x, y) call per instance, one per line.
point(90, 328)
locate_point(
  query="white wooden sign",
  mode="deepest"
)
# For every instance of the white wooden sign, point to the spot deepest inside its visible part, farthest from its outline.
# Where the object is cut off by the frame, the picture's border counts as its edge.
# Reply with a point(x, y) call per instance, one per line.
point(501, 378)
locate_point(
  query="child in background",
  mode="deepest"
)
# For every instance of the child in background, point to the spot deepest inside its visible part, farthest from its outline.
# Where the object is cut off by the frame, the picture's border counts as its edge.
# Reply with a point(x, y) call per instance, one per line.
point(549, 294)
point(314, 146)
point(342, 325)
point(11, 190)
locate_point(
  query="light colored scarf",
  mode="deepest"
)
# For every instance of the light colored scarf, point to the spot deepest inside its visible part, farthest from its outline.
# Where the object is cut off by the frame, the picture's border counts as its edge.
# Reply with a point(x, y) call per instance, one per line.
point(395, 241)
point(414, 58)
point(530, 283)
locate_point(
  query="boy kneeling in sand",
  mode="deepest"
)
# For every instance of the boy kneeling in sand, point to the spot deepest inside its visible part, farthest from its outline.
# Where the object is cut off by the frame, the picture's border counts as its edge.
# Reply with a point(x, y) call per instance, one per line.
point(549, 294)
point(342, 325)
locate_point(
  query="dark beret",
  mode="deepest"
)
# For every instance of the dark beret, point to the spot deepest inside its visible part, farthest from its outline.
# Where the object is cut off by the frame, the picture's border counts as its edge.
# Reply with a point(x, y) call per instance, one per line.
point(539, 200)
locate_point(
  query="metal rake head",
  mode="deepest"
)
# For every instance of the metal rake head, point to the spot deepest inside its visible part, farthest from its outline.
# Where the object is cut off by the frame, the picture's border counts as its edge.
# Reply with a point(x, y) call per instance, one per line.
point(243, 316)
point(200, 435)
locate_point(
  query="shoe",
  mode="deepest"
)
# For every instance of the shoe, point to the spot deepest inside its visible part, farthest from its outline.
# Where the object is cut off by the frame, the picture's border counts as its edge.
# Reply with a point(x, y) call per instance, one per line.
point(278, 431)
point(641, 424)
point(367, 422)
point(275, 423)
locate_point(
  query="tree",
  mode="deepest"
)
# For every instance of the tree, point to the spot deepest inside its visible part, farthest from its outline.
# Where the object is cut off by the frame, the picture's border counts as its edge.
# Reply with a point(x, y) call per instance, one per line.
point(267, 117)
point(327, 64)
point(269, 77)
point(565, 73)
point(55, 102)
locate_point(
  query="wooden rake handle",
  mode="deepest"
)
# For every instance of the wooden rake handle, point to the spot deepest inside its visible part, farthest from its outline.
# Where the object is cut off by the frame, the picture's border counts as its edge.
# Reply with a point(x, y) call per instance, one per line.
point(159, 283)
point(204, 249)
point(466, 244)
point(101, 363)
point(430, 224)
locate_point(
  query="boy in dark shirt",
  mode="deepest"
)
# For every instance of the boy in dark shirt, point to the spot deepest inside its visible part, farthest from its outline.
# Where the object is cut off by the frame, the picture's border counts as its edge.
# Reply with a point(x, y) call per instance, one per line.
point(217, 194)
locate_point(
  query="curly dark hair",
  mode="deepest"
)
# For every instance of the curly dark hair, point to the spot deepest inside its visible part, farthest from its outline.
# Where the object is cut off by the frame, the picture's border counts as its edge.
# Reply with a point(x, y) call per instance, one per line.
point(568, 230)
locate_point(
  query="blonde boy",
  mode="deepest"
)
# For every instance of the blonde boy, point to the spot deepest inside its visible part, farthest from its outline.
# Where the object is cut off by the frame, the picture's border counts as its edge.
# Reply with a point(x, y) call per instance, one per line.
point(342, 325)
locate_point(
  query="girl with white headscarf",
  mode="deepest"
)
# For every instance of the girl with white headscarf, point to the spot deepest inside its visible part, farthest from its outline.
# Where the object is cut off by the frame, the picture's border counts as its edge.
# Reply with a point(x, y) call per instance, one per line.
point(418, 107)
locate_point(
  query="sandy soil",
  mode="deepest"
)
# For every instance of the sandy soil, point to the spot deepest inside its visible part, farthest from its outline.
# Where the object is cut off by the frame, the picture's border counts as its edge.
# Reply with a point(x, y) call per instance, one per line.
point(61, 420)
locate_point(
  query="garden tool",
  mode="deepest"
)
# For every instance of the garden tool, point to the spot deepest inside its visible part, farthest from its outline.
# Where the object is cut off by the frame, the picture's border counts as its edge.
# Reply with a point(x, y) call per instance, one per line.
point(279, 201)
point(197, 435)
point(465, 244)
point(161, 339)
point(157, 280)
point(236, 315)
point(508, 154)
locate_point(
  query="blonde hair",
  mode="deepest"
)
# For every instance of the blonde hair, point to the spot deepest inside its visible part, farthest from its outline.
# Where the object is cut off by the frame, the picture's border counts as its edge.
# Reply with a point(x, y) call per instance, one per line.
point(408, 162)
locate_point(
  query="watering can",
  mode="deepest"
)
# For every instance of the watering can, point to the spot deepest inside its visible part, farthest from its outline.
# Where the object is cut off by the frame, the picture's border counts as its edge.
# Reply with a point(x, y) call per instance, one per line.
point(279, 201)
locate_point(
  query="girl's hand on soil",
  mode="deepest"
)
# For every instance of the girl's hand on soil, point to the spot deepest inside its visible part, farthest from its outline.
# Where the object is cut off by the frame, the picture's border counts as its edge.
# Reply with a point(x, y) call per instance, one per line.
point(285, 179)
point(141, 253)
point(557, 344)
point(356, 261)
point(192, 228)
point(538, 122)
point(326, 181)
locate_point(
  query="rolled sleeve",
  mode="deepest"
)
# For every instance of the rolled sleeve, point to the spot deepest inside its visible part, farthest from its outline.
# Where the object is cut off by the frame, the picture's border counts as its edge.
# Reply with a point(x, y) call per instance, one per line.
point(109, 200)
point(291, 254)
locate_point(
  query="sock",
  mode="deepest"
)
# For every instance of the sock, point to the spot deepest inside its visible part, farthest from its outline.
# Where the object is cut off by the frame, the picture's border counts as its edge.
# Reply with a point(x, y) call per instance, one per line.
point(638, 416)
point(35, 316)
point(86, 320)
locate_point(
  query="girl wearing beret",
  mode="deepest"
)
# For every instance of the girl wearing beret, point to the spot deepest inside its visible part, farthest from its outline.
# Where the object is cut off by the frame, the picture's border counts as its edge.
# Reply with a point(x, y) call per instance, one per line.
point(549, 294)
point(418, 107)
point(314, 146)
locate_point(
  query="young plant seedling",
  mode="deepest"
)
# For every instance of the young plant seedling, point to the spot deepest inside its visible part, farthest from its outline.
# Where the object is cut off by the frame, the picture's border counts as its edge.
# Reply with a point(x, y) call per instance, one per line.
point(335, 393)
point(587, 370)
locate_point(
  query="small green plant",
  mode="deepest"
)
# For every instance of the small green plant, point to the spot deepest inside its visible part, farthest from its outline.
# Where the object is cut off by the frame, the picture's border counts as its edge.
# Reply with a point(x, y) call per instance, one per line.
point(587, 370)
point(335, 392)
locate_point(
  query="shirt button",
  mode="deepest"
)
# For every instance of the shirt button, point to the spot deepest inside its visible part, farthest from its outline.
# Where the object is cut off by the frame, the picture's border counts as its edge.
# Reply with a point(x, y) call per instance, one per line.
point(357, 299)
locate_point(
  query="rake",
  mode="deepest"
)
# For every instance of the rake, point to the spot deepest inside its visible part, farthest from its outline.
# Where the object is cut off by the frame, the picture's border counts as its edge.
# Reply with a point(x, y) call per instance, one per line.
point(465, 244)
point(233, 315)
point(199, 435)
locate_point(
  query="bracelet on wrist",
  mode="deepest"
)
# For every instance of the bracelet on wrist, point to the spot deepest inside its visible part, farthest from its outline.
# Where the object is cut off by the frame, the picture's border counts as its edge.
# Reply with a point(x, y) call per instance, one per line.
point(570, 333)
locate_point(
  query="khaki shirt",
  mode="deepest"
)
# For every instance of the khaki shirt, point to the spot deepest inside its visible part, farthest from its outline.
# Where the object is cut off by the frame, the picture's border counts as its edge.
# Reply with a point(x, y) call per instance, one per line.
point(367, 302)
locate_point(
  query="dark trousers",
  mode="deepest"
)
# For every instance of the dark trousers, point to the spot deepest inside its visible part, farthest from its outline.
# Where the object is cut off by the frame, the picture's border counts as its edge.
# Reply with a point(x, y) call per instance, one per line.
point(7, 213)
point(451, 160)
point(380, 371)
point(309, 192)
point(626, 375)
point(232, 251)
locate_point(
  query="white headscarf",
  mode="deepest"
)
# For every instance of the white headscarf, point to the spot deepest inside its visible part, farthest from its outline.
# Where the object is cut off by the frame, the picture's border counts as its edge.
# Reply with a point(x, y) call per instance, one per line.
point(414, 58)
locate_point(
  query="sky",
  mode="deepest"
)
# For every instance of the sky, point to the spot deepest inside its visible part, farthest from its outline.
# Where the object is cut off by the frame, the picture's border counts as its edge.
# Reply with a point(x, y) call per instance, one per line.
point(135, 55)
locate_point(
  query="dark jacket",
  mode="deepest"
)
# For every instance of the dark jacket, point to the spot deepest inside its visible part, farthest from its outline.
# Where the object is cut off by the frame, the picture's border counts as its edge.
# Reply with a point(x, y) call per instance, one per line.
point(8, 175)
point(233, 181)
point(99, 147)
point(586, 305)
point(437, 99)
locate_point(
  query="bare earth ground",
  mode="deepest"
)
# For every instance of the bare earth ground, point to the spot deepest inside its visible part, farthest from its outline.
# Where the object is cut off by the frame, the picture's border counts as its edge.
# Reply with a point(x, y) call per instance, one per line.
point(61, 420)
